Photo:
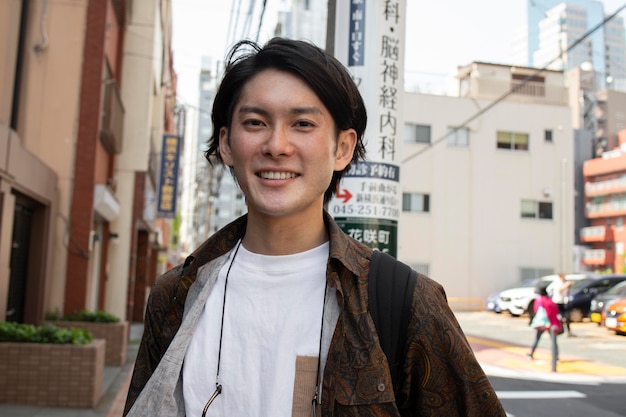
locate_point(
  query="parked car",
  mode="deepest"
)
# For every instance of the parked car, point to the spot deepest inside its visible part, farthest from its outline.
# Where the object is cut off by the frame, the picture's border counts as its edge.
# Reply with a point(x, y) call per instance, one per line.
point(583, 291)
point(614, 316)
point(506, 297)
point(493, 303)
point(600, 301)
point(520, 300)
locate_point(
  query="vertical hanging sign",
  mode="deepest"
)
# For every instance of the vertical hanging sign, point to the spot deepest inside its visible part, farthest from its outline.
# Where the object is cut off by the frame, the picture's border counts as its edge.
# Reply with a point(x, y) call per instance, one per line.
point(168, 184)
point(368, 202)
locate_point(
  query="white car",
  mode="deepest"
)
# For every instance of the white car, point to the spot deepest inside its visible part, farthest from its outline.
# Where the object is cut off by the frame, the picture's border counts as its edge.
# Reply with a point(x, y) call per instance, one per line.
point(520, 300)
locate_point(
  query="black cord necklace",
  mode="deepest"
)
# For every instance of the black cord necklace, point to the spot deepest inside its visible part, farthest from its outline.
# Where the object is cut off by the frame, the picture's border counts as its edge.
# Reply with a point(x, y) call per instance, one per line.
point(316, 398)
point(218, 387)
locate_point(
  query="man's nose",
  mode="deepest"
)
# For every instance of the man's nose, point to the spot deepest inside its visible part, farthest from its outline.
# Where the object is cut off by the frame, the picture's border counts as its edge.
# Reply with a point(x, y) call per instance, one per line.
point(278, 143)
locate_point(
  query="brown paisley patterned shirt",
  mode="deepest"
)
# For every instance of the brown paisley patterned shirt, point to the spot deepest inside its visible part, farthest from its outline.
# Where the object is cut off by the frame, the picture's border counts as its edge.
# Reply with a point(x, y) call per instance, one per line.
point(441, 376)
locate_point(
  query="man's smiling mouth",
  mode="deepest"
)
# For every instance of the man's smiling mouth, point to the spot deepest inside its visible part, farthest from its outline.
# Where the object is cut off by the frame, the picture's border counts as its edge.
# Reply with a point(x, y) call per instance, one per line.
point(274, 175)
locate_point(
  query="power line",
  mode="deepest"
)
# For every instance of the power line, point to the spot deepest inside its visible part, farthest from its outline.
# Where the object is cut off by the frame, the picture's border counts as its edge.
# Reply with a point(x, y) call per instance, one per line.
point(516, 87)
point(261, 20)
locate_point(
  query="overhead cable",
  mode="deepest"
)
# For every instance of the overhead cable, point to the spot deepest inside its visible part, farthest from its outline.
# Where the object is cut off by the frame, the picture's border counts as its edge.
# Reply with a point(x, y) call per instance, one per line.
point(515, 88)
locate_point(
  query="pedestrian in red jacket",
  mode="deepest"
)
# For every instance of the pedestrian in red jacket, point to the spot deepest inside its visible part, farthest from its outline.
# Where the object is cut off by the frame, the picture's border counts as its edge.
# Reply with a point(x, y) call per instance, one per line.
point(546, 318)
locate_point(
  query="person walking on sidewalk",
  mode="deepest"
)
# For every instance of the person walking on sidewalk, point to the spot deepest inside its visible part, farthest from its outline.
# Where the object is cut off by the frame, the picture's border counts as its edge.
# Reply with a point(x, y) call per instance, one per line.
point(546, 318)
point(559, 290)
point(270, 316)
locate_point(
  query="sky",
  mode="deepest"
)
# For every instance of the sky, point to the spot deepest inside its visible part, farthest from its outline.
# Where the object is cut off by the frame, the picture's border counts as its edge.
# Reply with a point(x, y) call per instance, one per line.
point(444, 34)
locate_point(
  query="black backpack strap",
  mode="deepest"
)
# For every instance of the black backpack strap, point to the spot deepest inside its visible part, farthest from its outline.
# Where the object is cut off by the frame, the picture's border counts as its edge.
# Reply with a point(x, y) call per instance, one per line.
point(391, 285)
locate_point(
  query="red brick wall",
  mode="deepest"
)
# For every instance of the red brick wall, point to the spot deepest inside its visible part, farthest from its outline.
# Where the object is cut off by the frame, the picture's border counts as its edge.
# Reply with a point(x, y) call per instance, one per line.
point(81, 211)
point(92, 164)
point(47, 374)
point(141, 275)
point(115, 335)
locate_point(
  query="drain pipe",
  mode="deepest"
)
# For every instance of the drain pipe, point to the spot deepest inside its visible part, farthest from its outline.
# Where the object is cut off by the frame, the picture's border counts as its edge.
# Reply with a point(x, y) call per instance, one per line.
point(18, 66)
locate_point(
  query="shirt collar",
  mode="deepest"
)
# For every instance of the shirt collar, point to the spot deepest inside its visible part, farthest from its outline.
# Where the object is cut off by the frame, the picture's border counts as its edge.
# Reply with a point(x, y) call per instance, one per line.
point(344, 250)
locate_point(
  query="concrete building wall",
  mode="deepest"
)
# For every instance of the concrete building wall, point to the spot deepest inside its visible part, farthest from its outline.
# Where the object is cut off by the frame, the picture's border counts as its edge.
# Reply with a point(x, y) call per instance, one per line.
point(138, 93)
point(474, 240)
point(45, 119)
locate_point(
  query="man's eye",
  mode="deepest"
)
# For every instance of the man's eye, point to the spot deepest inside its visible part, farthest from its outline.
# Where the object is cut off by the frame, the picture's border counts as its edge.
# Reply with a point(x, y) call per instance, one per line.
point(303, 123)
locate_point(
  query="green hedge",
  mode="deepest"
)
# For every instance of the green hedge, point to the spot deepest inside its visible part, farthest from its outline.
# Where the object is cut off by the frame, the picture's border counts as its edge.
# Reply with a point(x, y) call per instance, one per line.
point(47, 333)
point(85, 315)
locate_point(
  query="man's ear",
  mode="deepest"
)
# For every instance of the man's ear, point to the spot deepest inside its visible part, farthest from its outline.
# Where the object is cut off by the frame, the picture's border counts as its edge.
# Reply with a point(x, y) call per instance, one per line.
point(345, 148)
point(225, 151)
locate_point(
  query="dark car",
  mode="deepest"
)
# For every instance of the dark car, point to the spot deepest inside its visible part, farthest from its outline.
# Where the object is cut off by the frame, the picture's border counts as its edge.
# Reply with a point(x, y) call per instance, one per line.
point(600, 301)
point(582, 292)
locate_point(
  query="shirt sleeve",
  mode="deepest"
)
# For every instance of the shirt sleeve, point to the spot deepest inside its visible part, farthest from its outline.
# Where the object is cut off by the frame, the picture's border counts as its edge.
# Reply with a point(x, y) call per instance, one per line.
point(442, 375)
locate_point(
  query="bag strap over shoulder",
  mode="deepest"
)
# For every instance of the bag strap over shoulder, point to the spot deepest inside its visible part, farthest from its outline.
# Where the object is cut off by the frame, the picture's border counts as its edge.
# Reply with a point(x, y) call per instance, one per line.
point(391, 285)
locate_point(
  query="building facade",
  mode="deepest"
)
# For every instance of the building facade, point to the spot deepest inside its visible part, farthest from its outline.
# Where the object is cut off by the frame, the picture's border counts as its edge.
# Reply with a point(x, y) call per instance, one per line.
point(555, 25)
point(605, 196)
point(69, 111)
point(489, 202)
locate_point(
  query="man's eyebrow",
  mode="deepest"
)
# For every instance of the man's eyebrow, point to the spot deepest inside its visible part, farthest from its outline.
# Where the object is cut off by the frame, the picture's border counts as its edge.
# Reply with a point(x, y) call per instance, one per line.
point(253, 109)
point(294, 111)
point(306, 110)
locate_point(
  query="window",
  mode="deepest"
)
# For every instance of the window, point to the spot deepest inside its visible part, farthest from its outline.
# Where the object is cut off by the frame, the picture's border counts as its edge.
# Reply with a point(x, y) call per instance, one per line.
point(529, 272)
point(421, 268)
point(458, 137)
point(416, 202)
point(514, 141)
point(536, 209)
point(547, 135)
point(416, 133)
point(528, 85)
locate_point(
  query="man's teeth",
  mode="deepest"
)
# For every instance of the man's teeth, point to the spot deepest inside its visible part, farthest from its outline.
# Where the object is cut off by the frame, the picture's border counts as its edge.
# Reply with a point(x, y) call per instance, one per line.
point(277, 175)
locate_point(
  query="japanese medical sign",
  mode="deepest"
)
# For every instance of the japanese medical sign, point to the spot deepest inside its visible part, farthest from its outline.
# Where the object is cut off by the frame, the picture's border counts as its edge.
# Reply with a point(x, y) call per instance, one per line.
point(369, 199)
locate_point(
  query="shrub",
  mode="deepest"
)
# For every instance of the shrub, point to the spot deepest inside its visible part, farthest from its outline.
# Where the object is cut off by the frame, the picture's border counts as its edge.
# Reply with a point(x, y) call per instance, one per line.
point(47, 333)
point(85, 315)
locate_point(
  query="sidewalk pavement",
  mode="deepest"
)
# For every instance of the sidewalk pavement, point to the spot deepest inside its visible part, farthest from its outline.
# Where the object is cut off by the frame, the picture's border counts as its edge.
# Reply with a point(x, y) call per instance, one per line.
point(500, 343)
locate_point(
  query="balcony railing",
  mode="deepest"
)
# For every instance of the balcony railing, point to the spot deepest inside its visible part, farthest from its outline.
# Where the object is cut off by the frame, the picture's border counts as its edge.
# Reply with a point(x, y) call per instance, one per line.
point(613, 207)
point(615, 185)
point(595, 234)
point(532, 92)
point(598, 257)
point(528, 88)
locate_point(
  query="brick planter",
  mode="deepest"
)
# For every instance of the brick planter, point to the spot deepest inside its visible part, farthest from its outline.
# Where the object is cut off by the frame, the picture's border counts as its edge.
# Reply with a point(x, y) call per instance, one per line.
point(59, 375)
point(115, 334)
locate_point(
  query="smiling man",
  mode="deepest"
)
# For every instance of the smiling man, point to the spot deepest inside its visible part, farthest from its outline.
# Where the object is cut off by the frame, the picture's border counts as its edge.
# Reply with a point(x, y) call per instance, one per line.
point(270, 316)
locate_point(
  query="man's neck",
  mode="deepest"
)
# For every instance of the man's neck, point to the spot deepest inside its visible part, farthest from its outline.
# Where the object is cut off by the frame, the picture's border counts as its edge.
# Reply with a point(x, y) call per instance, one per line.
point(284, 236)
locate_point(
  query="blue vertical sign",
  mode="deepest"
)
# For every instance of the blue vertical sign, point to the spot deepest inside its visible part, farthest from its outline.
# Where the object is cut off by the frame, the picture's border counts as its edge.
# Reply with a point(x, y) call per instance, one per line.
point(356, 55)
point(168, 184)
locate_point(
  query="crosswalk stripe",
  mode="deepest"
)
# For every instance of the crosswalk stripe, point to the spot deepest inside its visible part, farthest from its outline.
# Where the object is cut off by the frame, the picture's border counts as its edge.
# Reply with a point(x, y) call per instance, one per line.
point(538, 394)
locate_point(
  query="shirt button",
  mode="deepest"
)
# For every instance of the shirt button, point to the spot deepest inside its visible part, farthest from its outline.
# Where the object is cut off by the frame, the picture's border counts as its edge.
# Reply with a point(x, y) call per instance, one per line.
point(381, 387)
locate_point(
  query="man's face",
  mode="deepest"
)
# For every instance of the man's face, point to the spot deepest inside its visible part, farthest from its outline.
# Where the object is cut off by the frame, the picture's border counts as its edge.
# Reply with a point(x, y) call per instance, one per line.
point(283, 146)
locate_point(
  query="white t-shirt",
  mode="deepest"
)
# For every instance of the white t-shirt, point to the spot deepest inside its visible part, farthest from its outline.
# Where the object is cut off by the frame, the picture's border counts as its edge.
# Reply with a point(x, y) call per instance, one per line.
point(558, 290)
point(273, 314)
